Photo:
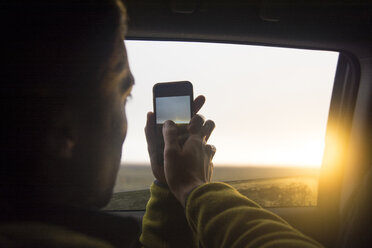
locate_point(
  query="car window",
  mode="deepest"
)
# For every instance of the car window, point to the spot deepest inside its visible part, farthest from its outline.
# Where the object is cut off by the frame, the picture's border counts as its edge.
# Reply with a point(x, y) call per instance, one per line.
point(270, 106)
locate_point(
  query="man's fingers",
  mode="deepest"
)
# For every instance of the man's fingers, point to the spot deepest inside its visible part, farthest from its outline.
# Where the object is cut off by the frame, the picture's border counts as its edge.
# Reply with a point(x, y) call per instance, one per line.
point(208, 129)
point(150, 132)
point(196, 124)
point(170, 135)
point(198, 103)
point(211, 150)
point(210, 172)
point(151, 138)
point(150, 124)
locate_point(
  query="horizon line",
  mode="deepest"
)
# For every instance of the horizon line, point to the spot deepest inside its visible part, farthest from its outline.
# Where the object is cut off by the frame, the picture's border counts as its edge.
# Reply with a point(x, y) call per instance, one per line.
point(236, 165)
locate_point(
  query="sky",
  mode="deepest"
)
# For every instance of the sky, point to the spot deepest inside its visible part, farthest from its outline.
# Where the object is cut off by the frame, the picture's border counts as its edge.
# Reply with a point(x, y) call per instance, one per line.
point(270, 105)
point(175, 108)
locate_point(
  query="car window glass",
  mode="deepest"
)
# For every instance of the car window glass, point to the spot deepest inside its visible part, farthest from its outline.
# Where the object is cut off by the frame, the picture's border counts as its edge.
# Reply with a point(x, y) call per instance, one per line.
point(270, 106)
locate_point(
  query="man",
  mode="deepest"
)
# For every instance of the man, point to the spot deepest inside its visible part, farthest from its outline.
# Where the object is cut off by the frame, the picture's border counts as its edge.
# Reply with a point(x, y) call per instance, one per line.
point(65, 81)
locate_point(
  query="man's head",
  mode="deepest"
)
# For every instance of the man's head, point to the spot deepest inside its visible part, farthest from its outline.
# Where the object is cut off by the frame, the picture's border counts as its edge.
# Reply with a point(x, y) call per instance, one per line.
point(64, 87)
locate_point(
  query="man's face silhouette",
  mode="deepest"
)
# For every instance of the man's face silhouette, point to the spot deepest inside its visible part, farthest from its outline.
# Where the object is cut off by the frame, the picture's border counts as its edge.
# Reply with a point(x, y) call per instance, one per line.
point(91, 164)
point(111, 130)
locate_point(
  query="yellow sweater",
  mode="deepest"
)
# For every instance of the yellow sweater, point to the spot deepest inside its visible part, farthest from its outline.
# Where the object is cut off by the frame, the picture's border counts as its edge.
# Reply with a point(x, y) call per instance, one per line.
point(219, 216)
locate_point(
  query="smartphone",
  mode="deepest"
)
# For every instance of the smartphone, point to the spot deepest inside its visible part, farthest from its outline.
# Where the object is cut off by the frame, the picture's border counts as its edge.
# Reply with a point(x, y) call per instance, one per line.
point(172, 101)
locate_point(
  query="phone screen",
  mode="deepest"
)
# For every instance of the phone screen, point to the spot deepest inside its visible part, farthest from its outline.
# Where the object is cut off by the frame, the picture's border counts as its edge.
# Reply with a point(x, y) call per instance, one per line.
point(175, 108)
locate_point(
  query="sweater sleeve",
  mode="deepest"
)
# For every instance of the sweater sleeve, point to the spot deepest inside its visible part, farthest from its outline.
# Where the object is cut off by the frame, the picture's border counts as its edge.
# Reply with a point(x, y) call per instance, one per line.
point(221, 217)
point(164, 223)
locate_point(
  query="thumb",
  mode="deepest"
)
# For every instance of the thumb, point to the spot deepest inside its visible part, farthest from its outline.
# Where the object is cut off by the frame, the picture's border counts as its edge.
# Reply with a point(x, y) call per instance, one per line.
point(170, 135)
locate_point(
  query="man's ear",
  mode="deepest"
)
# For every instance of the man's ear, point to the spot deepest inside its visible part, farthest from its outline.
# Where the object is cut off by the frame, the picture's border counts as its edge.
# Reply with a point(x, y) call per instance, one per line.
point(62, 136)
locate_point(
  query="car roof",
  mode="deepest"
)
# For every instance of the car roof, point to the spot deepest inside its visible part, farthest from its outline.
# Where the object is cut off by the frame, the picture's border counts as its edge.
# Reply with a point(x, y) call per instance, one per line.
point(331, 25)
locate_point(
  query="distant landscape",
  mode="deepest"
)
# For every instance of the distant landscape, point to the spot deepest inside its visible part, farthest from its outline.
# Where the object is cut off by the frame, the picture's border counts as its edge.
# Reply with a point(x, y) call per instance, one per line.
point(269, 186)
point(136, 177)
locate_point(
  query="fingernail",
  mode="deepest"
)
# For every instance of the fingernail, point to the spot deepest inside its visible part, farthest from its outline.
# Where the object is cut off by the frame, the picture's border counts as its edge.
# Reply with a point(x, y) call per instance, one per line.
point(211, 124)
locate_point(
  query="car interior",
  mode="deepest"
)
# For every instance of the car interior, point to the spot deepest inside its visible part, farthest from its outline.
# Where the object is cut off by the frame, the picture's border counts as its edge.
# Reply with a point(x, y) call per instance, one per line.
point(341, 214)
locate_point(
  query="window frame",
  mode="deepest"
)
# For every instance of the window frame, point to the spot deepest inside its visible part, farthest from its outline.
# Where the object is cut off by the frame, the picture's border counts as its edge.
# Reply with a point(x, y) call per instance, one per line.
point(321, 221)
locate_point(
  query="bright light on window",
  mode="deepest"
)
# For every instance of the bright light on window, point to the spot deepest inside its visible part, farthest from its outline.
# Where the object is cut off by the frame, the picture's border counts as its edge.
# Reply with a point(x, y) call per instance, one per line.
point(270, 105)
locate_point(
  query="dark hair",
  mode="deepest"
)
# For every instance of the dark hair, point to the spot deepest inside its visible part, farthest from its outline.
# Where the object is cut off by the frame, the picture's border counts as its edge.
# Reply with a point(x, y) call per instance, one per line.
point(56, 53)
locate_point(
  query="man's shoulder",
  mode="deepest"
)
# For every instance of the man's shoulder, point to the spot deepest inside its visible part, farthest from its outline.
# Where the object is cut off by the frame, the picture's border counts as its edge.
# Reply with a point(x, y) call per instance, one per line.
point(37, 234)
point(82, 224)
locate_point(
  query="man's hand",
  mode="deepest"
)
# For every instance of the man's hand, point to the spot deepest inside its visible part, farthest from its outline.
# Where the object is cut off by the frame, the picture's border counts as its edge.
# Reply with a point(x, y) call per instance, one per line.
point(189, 166)
point(158, 169)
